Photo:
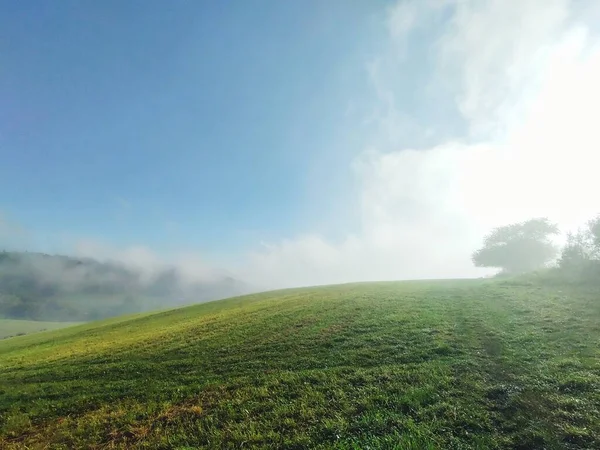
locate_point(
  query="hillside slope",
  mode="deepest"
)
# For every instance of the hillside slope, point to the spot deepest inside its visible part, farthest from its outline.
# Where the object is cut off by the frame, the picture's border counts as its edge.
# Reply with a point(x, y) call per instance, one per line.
point(449, 364)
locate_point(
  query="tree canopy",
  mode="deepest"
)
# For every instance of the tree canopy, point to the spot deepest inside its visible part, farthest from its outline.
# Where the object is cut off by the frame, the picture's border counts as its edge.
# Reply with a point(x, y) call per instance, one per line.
point(518, 247)
point(581, 254)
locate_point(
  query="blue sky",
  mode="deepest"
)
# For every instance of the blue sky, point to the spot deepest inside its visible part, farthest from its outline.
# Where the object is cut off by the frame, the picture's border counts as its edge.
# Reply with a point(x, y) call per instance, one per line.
point(295, 143)
point(200, 124)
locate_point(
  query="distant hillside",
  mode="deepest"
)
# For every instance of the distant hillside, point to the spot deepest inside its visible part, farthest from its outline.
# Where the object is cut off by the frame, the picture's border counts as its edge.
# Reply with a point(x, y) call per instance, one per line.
point(49, 287)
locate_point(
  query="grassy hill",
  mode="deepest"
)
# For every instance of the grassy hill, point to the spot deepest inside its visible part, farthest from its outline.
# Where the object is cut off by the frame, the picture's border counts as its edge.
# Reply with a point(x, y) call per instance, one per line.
point(413, 365)
point(9, 327)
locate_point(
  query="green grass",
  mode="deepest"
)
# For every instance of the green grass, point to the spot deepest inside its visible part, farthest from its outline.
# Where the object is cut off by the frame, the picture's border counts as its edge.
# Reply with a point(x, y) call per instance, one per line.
point(11, 327)
point(415, 365)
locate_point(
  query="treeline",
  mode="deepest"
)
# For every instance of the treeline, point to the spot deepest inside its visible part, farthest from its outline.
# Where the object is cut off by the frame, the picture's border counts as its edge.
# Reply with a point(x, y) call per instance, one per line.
point(527, 246)
point(36, 286)
point(580, 258)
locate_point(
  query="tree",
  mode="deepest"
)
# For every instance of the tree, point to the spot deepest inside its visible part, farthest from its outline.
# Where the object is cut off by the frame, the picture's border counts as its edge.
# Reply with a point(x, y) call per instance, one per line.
point(519, 247)
point(594, 230)
point(581, 254)
point(10, 305)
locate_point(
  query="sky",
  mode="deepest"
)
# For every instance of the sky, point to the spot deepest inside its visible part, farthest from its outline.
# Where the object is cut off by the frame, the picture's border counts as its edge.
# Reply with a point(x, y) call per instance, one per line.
point(295, 143)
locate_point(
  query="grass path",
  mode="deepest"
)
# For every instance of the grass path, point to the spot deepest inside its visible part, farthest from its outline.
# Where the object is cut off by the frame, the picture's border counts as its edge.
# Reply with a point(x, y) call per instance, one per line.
point(433, 365)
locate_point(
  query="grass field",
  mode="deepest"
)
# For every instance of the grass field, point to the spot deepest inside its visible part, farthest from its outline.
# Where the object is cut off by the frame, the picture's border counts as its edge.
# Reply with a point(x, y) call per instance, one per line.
point(414, 365)
point(10, 327)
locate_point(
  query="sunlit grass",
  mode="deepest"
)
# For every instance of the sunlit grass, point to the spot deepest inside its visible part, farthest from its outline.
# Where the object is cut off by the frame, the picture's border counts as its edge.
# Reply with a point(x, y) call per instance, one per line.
point(452, 364)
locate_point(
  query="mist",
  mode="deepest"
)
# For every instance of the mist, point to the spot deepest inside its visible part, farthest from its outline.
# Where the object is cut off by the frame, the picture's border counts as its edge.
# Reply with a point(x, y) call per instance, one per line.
point(506, 132)
point(37, 286)
point(522, 75)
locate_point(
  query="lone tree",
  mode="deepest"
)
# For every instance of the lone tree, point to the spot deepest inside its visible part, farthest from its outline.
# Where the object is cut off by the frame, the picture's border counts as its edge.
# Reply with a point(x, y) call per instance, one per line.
point(517, 248)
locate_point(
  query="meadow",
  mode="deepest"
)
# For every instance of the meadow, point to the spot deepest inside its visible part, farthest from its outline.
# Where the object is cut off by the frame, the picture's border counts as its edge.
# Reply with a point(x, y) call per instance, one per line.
point(488, 364)
point(15, 327)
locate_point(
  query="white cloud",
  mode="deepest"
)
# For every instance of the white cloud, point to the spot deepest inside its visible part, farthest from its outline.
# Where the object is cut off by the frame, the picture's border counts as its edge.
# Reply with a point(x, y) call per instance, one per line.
point(494, 49)
point(401, 19)
point(524, 74)
point(407, 15)
point(136, 257)
point(190, 266)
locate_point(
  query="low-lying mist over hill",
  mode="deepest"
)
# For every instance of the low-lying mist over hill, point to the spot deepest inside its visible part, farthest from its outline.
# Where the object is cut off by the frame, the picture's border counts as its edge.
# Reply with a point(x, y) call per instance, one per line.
point(51, 287)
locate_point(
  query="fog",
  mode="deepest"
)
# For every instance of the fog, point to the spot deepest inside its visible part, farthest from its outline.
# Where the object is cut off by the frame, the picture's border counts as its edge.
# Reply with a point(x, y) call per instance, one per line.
point(524, 77)
point(191, 268)
point(521, 78)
